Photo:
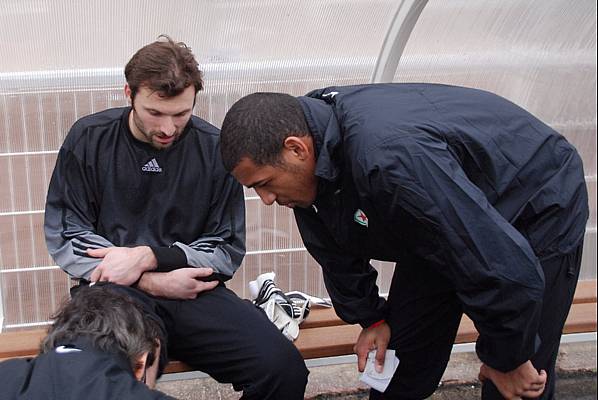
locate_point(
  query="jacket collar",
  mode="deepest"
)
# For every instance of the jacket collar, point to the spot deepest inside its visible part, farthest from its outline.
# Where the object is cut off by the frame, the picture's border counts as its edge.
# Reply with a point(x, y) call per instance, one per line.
point(323, 125)
point(85, 343)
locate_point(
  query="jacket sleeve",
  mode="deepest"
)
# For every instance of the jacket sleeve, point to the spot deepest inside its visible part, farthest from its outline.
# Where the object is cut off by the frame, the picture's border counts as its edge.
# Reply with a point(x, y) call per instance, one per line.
point(350, 281)
point(495, 271)
point(222, 244)
point(70, 215)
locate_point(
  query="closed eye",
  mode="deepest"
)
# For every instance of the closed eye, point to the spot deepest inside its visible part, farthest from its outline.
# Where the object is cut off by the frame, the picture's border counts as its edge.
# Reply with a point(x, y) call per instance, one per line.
point(259, 184)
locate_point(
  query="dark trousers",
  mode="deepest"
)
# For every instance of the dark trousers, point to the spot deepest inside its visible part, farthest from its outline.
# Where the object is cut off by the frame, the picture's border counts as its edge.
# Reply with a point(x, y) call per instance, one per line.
point(231, 340)
point(424, 316)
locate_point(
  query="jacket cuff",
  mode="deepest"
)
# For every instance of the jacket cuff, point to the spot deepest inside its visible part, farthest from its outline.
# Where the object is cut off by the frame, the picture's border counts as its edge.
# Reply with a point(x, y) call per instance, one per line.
point(371, 321)
point(169, 258)
point(377, 316)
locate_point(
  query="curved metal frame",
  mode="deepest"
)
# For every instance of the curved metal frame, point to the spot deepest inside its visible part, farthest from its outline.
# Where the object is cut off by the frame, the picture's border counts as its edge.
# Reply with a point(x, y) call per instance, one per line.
point(407, 14)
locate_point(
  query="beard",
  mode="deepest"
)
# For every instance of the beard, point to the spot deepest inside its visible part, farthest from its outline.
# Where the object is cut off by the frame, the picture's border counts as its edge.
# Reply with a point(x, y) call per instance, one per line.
point(153, 137)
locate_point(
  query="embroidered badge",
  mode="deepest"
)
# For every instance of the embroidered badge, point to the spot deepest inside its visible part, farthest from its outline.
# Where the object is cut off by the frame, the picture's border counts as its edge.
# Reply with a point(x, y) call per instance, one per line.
point(360, 218)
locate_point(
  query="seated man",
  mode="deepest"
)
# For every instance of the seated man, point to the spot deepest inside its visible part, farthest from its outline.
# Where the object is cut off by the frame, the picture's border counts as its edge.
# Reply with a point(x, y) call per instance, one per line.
point(99, 347)
point(139, 197)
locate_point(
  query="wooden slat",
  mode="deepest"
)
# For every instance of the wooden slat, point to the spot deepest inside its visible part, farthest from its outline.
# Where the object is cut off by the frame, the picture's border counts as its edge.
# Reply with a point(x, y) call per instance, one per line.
point(323, 334)
point(585, 292)
point(319, 317)
point(176, 366)
point(327, 341)
point(467, 332)
point(582, 318)
point(21, 343)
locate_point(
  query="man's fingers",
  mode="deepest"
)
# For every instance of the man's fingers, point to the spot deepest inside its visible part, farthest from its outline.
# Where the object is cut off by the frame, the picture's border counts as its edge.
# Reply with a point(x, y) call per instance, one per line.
point(380, 357)
point(481, 377)
point(201, 272)
point(99, 253)
point(96, 275)
point(532, 392)
point(361, 360)
point(536, 388)
point(207, 285)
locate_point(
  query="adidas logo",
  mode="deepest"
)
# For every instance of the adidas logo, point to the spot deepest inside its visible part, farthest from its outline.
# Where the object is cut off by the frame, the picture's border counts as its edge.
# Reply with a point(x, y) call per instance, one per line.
point(151, 166)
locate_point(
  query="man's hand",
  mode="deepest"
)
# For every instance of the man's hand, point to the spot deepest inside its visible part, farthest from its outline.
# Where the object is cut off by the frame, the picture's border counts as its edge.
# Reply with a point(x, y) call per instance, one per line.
point(122, 265)
point(374, 338)
point(182, 283)
point(524, 381)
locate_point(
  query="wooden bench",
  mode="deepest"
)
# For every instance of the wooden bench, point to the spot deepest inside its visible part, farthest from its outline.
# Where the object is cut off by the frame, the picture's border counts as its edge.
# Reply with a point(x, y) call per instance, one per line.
point(323, 334)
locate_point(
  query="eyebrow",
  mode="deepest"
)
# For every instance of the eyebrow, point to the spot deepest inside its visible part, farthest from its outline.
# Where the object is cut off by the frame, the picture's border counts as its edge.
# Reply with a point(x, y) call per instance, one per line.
point(160, 112)
point(254, 184)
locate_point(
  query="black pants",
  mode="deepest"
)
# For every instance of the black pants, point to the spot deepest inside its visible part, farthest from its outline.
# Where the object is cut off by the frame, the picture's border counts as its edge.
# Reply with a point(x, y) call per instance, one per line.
point(231, 340)
point(424, 318)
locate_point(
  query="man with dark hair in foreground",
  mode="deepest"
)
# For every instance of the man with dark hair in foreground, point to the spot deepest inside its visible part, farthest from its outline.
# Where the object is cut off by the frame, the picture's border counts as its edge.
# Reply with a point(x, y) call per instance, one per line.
point(482, 206)
point(139, 197)
point(100, 347)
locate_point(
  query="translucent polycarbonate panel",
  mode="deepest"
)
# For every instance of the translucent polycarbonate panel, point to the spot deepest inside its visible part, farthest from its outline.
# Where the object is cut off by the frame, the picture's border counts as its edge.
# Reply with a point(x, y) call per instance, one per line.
point(22, 243)
point(62, 60)
point(24, 181)
point(539, 54)
point(30, 297)
point(47, 35)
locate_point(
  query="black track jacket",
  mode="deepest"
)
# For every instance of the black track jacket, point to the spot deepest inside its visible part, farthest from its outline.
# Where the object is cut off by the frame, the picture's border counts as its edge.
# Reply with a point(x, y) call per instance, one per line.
point(457, 178)
point(73, 372)
point(109, 189)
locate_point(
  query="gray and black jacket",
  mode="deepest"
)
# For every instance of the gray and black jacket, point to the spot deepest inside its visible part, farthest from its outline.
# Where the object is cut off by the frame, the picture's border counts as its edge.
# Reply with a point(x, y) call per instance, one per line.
point(109, 189)
point(457, 178)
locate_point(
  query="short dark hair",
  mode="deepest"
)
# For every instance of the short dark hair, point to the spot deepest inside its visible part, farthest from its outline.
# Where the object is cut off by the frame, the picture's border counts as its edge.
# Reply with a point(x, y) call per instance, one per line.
point(256, 127)
point(110, 320)
point(165, 67)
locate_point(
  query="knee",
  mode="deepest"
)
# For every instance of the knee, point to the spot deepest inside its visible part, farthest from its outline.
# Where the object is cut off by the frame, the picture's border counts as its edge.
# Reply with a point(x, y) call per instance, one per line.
point(281, 374)
point(287, 364)
point(415, 378)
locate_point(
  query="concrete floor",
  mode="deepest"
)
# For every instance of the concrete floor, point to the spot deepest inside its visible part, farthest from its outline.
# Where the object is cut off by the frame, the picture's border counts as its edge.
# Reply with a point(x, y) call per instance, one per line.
point(576, 367)
point(578, 386)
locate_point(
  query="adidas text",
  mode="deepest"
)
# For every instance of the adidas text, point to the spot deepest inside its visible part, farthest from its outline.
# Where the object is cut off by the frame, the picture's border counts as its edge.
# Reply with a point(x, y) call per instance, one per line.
point(151, 166)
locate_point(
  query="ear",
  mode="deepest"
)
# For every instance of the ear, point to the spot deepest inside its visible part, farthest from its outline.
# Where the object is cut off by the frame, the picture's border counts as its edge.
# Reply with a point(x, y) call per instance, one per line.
point(128, 92)
point(140, 366)
point(299, 146)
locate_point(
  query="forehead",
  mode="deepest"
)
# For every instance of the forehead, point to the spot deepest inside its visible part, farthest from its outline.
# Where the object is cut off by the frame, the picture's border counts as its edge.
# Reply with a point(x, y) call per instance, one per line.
point(249, 174)
point(152, 99)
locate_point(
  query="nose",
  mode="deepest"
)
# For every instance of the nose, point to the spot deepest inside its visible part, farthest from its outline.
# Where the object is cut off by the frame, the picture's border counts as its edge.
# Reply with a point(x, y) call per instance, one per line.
point(268, 198)
point(167, 126)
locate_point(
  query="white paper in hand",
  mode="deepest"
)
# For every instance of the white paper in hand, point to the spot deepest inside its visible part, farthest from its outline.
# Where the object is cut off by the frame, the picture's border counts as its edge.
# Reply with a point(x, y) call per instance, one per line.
point(375, 380)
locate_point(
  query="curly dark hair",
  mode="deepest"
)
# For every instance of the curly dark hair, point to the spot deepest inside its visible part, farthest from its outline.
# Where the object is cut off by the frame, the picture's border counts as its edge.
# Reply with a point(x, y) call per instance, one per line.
point(256, 127)
point(111, 320)
point(163, 66)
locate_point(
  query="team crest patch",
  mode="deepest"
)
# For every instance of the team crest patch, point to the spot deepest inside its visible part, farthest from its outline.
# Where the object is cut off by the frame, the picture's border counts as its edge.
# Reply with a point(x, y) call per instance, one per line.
point(360, 218)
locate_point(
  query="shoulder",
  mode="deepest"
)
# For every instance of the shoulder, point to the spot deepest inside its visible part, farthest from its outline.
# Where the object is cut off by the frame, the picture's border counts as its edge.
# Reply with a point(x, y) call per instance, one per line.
point(14, 375)
point(205, 136)
point(204, 129)
point(14, 365)
point(94, 125)
point(100, 119)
